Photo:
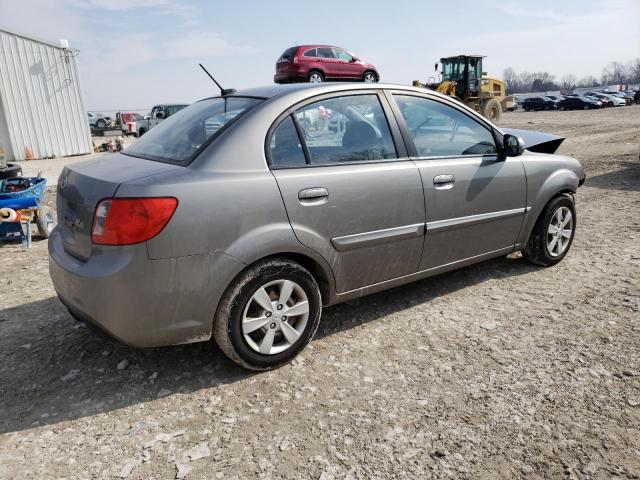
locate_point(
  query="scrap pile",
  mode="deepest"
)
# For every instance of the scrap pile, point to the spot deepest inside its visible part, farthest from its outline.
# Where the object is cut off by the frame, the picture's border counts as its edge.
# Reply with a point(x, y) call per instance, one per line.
point(21, 203)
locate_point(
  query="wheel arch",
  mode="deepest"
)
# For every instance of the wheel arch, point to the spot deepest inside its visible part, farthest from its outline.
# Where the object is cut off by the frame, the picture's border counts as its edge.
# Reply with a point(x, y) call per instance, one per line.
point(316, 69)
point(561, 182)
point(316, 265)
point(371, 70)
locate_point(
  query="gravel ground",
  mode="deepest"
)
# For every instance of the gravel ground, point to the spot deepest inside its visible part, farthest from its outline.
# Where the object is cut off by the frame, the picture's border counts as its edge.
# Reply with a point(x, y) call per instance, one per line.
point(500, 370)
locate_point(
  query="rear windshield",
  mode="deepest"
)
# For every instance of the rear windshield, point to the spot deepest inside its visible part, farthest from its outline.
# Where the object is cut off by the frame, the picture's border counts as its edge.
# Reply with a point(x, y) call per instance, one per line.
point(289, 52)
point(178, 139)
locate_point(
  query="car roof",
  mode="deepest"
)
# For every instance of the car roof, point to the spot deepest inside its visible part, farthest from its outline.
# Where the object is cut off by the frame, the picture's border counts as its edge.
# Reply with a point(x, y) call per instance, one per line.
point(277, 90)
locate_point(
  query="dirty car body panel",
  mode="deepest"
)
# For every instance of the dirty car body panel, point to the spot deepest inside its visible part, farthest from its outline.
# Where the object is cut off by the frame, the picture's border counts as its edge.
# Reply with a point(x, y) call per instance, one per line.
point(383, 221)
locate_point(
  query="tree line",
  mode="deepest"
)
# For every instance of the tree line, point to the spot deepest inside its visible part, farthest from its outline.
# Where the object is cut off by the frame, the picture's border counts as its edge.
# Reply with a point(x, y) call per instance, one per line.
point(614, 73)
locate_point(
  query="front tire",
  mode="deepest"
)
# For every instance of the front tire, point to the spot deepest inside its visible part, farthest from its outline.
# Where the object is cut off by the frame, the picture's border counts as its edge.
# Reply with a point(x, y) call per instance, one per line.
point(369, 77)
point(268, 314)
point(553, 232)
point(492, 110)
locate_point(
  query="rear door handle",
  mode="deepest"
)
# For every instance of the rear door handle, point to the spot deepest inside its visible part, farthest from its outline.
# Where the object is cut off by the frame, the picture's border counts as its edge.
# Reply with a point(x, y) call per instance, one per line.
point(313, 196)
point(444, 180)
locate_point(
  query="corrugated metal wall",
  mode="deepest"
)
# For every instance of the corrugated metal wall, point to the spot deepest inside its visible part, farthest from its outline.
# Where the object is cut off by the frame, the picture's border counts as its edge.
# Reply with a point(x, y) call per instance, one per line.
point(41, 102)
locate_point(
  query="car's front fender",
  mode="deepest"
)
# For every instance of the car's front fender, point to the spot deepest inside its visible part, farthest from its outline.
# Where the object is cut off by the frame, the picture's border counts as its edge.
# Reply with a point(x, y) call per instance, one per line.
point(547, 176)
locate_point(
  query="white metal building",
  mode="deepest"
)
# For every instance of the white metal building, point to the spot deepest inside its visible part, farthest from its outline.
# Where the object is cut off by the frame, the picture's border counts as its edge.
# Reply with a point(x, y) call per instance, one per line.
point(42, 112)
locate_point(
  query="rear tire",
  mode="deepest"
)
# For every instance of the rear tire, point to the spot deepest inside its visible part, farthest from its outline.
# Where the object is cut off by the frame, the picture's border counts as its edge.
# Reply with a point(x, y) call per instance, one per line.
point(553, 232)
point(316, 76)
point(141, 132)
point(245, 305)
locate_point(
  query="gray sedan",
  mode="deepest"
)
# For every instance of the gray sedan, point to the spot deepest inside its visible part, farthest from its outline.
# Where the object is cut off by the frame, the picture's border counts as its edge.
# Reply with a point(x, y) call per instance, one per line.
point(241, 216)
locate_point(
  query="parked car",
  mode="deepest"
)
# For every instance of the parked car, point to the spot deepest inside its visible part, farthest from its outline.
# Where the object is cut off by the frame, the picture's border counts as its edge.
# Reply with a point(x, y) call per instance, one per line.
point(555, 98)
point(319, 63)
point(157, 115)
point(97, 120)
point(236, 234)
point(538, 103)
point(578, 103)
point(128, 121)
point(607, 100)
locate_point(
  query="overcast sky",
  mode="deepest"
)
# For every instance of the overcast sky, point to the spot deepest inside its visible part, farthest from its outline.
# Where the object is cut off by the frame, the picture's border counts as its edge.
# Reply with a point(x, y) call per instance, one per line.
point(136, 53)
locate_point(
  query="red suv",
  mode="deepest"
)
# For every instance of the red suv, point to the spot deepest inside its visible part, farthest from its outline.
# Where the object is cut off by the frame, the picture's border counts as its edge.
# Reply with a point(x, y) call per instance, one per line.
point(319, 63)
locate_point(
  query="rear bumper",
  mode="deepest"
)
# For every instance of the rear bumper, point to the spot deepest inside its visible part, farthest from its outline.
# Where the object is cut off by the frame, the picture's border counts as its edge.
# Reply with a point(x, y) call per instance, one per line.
point(138, 301)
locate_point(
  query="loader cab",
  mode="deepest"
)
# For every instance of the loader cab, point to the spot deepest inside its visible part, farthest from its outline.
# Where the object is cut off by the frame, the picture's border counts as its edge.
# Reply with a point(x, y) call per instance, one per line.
point(466, 71)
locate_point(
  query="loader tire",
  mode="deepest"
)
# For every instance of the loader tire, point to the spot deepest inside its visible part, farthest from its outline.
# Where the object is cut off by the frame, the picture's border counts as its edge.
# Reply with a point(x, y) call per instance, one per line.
point(492, 110)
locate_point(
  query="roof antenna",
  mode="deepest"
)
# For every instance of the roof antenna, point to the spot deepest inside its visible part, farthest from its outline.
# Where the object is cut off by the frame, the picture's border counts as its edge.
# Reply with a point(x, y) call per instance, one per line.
point(223, 91)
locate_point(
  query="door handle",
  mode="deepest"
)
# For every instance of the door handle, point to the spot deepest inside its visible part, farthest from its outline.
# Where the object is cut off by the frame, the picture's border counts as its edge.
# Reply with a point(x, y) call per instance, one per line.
point(444, 180)
point(313, 196)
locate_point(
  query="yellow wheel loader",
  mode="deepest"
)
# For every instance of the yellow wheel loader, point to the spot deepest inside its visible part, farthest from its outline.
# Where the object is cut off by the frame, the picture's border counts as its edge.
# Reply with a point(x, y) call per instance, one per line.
point(463, 78)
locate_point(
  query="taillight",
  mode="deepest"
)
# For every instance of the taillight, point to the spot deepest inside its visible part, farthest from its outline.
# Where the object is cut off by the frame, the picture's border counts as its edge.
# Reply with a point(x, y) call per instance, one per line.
point(296, 59)
point(125, 221)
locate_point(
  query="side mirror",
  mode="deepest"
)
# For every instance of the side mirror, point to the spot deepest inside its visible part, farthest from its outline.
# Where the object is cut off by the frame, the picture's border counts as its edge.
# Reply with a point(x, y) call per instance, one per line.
point(160, 114)
point(513, 146)
point(353, 59)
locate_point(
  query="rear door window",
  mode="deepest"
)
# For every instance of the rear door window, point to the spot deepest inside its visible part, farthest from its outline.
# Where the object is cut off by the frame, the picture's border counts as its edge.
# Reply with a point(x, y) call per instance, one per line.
point(440, 130)
point(324, 52)
point(346, 129)
point(310, 53)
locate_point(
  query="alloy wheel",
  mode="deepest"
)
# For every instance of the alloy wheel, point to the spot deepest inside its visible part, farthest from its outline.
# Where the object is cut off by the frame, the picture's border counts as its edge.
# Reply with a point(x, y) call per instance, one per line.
point(559, 232)
point(369, 78)
point(315, 78)
point(275, 317)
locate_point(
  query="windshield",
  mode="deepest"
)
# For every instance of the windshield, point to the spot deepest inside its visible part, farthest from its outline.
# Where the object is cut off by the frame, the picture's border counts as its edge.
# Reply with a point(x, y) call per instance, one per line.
point(179, 138)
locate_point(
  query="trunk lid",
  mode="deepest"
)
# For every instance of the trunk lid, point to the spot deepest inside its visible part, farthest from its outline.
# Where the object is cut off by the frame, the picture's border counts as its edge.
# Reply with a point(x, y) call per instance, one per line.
point(82, 185)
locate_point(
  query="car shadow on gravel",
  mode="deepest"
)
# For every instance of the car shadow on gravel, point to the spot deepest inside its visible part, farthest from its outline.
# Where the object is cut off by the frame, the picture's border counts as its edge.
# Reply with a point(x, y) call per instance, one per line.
point(54, 369)
point(626, 178)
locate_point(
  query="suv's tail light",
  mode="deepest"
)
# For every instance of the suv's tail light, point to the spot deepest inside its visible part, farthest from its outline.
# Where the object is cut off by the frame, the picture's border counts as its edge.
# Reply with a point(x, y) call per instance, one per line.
point(296, 59)
point(125, 221)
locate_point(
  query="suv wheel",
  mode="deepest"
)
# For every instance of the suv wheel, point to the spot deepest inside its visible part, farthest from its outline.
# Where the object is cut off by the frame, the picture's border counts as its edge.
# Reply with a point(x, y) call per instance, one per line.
point(369, 77)
point(316, 76)
point(553, 233)
point(268, 314)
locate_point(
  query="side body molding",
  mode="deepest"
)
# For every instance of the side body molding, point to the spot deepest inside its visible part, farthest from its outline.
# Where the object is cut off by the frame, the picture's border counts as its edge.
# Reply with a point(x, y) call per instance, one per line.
point(378, 237)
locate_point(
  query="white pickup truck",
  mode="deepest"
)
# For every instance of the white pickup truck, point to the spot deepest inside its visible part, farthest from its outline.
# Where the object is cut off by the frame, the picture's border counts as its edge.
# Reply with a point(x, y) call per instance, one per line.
point(158, 113)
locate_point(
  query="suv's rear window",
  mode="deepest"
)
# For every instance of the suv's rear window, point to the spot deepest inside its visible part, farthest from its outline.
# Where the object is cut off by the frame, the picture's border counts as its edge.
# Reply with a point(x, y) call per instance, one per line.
point(179, 138)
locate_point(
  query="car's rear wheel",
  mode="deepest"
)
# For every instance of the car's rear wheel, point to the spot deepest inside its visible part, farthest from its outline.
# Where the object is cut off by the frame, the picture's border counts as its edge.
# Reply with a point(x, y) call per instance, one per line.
point(101, 123)
point(141, 132)
point(268, 315)
point(369, 77)
point(553, 233)
point(316, 76)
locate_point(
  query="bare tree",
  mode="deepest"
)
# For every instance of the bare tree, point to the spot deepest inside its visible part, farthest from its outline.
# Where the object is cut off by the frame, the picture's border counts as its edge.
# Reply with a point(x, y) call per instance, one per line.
point(510, 79)
point(588, 81)
point(615, 72)
point(634, 70)
point(568, 81)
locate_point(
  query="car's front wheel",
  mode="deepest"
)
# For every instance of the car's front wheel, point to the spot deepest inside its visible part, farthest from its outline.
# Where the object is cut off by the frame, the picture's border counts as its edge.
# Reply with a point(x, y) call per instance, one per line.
point(369, 77)
point(553, 233)
point(268, 315)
